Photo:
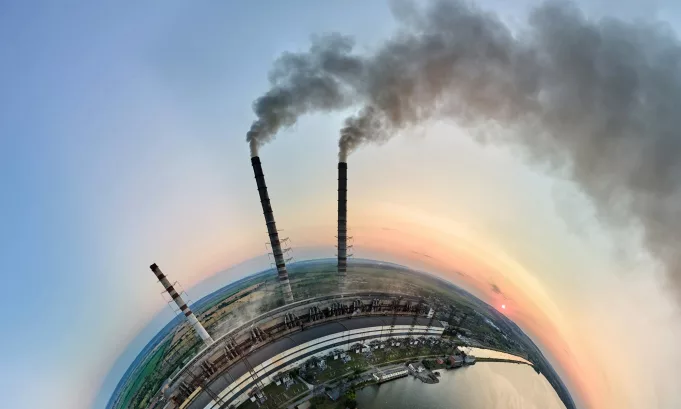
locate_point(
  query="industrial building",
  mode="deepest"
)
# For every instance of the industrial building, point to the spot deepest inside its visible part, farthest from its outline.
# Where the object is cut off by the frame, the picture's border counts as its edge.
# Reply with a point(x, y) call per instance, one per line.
point(287, 353)
point(239, 364)
point(390, 375)
point(455, 361)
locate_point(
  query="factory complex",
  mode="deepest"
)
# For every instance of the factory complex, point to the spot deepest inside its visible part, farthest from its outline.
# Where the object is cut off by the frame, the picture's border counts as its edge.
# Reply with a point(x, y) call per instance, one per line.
point(280, 357)
point(237, 366)
point(228, 372)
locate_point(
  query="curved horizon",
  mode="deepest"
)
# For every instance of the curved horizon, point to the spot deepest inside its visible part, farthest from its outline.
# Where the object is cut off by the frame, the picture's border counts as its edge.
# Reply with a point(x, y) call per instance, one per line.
point(128, 358)
point(124, 144)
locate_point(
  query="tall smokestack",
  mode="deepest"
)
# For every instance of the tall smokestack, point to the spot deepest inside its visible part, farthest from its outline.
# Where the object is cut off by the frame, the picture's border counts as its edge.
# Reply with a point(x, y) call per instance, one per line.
point(182, 305)
point(342, 224)
point(272, 230)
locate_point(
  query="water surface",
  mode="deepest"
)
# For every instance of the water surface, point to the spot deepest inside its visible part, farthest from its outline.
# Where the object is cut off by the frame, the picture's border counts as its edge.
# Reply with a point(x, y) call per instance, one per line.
point(485, 385)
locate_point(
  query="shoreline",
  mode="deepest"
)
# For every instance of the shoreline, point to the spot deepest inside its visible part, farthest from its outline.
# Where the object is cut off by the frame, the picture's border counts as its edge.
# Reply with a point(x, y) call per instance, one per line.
point(309, 395)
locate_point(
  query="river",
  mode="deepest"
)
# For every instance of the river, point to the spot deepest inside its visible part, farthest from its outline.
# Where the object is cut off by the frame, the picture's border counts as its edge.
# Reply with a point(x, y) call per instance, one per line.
point(485, 385)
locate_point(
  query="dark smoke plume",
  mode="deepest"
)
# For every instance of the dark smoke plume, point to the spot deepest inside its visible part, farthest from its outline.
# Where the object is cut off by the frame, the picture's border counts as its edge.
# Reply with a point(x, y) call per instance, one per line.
point(321, 79)
point(599, 99)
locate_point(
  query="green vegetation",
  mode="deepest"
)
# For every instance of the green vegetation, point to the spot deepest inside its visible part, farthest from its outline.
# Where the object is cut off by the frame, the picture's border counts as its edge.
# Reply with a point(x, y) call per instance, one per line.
point(145, 381)
point(260, 294)
point(278, 394)
point(322, 402)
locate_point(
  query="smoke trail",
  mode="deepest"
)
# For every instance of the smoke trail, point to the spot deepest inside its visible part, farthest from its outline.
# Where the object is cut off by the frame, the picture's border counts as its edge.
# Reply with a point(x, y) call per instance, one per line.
point(318, 80)
point(452, 60)
point(597, 98)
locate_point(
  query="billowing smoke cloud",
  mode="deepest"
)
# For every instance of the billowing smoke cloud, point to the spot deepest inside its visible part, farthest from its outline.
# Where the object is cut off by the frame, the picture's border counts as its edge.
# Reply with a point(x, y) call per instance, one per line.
point(597, 98)
point(451, 60)
point(321, 79)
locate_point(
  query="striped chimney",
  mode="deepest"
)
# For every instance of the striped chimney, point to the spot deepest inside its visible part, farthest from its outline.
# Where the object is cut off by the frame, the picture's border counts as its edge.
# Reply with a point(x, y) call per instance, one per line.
point(342, 224)
point(282, 273)
point(193, 321)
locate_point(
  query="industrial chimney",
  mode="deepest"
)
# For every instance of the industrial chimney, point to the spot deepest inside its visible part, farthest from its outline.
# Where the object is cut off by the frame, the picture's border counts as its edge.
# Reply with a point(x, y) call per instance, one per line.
point(193, 321)
point(342, 224)
point(272, 230)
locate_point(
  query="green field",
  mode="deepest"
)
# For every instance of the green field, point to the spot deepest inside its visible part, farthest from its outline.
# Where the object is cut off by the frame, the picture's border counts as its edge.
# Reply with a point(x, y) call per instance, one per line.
point(140, 390)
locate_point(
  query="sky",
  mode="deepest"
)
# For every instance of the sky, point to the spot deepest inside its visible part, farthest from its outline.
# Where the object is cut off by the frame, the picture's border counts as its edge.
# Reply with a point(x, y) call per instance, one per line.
point(122, 143)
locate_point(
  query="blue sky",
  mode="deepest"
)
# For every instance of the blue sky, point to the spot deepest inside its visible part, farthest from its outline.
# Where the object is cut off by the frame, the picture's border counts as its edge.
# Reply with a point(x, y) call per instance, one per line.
point(122, 143)
point(111, 119)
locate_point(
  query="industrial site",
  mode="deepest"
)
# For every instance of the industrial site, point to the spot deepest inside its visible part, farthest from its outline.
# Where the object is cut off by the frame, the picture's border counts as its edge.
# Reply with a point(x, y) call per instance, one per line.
point(314, 337)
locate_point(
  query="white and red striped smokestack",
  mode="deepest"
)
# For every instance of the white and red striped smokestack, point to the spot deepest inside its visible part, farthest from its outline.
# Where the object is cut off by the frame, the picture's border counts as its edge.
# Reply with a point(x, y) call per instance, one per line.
point(342, 224)
point(282, 273)
point(193, 321)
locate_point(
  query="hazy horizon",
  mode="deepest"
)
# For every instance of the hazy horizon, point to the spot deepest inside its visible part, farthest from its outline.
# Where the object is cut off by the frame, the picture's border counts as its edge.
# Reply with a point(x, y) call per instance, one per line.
point(207, 288)
point(124, 143)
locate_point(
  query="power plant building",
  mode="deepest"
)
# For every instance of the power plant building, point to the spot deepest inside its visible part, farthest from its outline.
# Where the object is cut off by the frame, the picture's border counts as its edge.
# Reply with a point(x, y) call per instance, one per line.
point(292, 351)
point(262, 350)
point(237, 366)
point(390, 375)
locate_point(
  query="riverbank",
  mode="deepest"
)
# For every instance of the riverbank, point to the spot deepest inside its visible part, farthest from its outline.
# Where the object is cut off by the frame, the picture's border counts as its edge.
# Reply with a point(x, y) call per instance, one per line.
point(352, 382)
point(348, 377)
point(481, 386)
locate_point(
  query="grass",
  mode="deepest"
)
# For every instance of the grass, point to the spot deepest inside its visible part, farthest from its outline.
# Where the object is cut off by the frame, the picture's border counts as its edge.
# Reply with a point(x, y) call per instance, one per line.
point(335, 368)
point(307, 280)
point(140, 382)
point(278, 394)
point(329, 404)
